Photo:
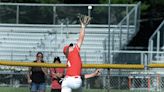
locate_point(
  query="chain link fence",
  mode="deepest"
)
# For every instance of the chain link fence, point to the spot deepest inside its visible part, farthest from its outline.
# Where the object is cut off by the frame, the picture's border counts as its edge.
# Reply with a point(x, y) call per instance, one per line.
point(116, 81)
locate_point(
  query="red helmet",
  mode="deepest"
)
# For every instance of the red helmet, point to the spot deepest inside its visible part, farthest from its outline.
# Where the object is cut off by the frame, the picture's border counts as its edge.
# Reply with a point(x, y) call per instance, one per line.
point(65, 49)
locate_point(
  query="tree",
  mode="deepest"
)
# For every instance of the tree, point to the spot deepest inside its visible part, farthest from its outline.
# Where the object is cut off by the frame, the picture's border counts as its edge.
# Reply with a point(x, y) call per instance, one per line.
point(35, 1)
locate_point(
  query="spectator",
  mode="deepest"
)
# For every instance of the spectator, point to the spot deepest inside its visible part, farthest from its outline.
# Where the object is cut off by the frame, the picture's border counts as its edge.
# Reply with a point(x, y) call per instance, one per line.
point(37, 75)
point(56, 75)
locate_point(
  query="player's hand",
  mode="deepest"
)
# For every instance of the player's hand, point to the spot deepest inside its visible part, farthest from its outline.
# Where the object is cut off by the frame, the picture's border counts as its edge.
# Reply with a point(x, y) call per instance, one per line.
point(84, 20)
point(97, 72)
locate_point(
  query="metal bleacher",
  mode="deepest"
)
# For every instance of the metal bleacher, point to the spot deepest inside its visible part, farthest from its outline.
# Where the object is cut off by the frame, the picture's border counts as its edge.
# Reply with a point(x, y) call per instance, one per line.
point(17, 45)
point(21, 43)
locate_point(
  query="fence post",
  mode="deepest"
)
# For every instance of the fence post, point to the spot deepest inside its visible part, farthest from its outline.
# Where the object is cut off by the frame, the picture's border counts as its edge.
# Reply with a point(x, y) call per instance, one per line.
point(17, 15)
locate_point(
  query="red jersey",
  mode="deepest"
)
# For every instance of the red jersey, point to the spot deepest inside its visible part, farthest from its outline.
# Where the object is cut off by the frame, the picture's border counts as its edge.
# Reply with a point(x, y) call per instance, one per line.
point(54, 83)
point(74, 63)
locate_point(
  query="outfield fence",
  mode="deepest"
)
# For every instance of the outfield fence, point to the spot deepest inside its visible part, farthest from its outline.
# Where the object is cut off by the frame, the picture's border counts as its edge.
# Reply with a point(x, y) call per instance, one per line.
point(144, 76)
point(118, 80)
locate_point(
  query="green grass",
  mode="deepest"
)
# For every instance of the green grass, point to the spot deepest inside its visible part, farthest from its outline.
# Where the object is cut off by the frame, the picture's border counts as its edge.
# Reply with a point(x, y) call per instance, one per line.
point(26, 89)
point(20, 89)
point(11, 89)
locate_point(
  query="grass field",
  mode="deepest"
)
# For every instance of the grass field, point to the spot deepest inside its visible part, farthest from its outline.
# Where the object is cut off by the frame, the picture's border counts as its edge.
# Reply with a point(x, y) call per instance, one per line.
point(26, 89)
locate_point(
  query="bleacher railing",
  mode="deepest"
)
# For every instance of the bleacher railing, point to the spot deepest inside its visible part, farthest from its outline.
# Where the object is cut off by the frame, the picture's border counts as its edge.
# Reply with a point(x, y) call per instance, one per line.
point(127, 29)
point(156, 44)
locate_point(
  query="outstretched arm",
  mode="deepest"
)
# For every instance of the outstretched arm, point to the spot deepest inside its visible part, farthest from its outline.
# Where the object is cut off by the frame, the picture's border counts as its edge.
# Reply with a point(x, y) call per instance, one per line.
point(81, 36)
point(96, 73)
point(84, 20)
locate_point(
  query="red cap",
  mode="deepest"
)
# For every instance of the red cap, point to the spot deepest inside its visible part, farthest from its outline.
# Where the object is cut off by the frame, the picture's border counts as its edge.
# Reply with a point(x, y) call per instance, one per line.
point(65, 49)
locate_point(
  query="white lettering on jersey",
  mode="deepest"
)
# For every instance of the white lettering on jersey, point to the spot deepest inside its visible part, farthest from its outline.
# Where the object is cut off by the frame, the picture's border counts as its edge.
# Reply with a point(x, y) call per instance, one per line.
point(68, 63)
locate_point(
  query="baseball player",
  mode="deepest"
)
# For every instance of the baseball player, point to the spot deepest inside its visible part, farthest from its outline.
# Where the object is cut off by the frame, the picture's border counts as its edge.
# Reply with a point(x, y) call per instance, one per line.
point(72, 79)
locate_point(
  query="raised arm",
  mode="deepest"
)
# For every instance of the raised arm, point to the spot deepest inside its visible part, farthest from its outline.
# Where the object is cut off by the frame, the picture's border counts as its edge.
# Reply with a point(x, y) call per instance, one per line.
point(81, 35)
point(84, 20)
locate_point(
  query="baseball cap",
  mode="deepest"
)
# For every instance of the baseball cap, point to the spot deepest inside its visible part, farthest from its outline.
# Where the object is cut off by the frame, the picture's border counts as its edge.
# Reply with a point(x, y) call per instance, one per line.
point(65, 49)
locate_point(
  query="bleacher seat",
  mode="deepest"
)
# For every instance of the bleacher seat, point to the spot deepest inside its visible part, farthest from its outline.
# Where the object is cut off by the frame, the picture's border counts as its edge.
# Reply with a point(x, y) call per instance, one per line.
point(22, 43)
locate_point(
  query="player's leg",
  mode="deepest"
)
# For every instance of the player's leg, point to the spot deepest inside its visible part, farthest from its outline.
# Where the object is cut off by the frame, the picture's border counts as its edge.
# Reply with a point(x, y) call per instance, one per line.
point(78, 90)
point(66, 89)
point(65, 86)
point(74, 82)
point(70, 83)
